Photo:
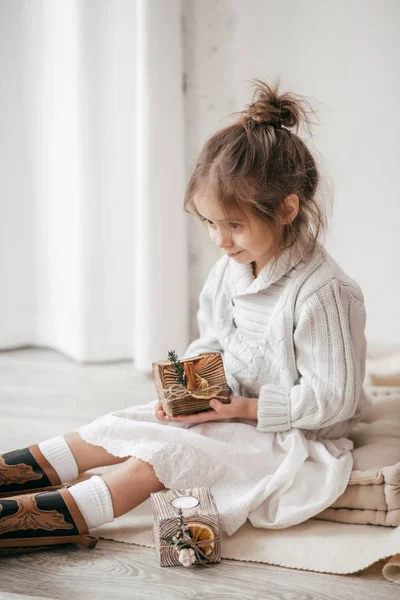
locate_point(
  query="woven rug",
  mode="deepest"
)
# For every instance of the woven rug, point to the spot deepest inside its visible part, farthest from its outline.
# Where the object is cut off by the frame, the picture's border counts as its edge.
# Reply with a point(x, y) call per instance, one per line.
point(314, 545)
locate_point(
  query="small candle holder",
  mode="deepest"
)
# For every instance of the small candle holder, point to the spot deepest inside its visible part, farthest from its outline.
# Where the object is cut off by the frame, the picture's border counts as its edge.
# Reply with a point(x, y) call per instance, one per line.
point(186, 527)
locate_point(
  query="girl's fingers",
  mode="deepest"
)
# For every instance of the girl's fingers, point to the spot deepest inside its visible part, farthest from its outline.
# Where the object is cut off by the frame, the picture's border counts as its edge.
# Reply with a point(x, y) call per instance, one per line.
point(161, 416)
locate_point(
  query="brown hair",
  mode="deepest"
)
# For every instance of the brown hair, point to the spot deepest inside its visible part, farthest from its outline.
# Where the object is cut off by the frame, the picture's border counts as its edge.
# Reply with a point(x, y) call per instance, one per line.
point(257, 162)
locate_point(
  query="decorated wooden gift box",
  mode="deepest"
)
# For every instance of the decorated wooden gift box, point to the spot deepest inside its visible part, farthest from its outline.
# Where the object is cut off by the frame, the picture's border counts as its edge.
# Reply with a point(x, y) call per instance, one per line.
point(186, 527)
point(185, 386)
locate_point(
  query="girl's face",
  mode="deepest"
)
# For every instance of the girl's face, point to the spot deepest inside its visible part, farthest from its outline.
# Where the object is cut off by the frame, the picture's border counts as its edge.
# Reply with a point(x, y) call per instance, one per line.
point(243, 241)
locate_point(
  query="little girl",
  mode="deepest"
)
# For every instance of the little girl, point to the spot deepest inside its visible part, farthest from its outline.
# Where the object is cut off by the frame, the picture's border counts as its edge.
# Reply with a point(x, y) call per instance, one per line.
point(289, 324)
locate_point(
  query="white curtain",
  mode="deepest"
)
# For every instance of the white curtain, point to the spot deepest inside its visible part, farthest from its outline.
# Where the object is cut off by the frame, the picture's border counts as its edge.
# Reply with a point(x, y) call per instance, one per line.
point(93, 242)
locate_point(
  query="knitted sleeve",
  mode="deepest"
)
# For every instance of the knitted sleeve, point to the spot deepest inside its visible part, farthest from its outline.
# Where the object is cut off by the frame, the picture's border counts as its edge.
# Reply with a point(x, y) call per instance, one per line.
point(208, 339)
point(330, 349)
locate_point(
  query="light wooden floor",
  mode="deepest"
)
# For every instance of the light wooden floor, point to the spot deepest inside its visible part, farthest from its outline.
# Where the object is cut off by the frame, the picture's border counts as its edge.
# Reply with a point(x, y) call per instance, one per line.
point(43, 394)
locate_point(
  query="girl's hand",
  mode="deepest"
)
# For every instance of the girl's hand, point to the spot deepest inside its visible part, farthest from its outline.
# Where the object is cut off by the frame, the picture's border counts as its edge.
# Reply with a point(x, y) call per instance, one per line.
point(160, 414)
point(240, 407)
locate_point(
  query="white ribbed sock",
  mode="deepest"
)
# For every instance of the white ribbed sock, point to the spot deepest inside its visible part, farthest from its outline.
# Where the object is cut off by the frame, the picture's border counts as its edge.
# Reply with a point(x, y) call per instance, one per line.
point(59, 455)
point(94, 501)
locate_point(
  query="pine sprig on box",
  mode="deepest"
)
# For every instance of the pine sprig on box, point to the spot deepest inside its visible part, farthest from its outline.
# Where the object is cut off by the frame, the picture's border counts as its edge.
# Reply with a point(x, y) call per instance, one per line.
point(178, 366)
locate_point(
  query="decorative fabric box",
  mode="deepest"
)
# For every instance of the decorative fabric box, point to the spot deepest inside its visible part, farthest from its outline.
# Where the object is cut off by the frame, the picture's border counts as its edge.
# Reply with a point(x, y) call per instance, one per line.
point(186, 386)
point(186, 527)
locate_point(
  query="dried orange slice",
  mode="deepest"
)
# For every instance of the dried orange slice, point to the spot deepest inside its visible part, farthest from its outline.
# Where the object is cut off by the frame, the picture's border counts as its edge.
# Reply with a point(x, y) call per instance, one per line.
point(205, 394)
point(201, 383)
point(200, 533)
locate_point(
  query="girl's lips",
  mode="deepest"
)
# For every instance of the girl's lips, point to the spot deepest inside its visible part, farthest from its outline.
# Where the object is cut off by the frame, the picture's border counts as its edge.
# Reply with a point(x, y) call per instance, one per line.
point(236, 253)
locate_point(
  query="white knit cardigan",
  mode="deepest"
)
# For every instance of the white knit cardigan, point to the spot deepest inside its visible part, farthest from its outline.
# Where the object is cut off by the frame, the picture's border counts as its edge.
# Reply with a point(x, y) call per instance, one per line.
point(293, 338)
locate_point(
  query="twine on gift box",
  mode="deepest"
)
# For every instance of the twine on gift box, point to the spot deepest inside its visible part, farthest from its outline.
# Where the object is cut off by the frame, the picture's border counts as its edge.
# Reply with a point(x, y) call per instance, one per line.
point(177, 391)
point(187, 541)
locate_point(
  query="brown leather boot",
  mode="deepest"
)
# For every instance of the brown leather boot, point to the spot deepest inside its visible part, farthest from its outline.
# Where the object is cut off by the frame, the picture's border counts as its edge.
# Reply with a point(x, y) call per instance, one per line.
point(42, 520)
point(26, 470)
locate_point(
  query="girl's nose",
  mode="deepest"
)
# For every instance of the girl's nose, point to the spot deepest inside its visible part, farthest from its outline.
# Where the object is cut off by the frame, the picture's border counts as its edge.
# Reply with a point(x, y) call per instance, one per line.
point(224, 240)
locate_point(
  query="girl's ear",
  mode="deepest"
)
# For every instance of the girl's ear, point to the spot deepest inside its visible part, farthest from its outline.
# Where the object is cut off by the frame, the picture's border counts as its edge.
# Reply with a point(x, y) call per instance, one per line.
point(289, 208)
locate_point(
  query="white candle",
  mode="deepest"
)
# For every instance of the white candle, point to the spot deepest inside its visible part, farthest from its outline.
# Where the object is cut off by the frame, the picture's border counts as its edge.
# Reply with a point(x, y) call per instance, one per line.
point(185, 502)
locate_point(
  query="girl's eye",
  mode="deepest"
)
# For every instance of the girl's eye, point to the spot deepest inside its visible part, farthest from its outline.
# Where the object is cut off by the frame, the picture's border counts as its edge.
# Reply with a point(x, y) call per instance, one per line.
point(210, 223)
point(234, 226)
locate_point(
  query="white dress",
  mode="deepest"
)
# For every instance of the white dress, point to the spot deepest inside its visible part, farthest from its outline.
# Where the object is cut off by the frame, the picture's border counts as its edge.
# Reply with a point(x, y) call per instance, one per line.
point(276, 479)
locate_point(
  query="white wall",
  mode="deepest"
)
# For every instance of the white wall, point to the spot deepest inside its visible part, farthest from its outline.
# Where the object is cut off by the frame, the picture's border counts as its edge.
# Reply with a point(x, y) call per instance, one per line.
point(17, 293)
point(208, 45)
point(344, 56)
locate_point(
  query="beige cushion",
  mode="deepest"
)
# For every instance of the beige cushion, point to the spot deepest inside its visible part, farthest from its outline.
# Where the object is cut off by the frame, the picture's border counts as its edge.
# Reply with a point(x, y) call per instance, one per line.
point(373, 493)
point(382, 366)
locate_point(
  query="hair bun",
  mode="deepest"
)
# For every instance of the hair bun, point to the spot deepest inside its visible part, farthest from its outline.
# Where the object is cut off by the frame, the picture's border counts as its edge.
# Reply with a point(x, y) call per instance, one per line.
point(268, 107)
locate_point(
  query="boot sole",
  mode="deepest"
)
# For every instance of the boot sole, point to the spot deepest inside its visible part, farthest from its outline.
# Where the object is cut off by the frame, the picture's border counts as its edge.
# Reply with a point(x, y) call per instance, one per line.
point(31, 491)
point(89, 541)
